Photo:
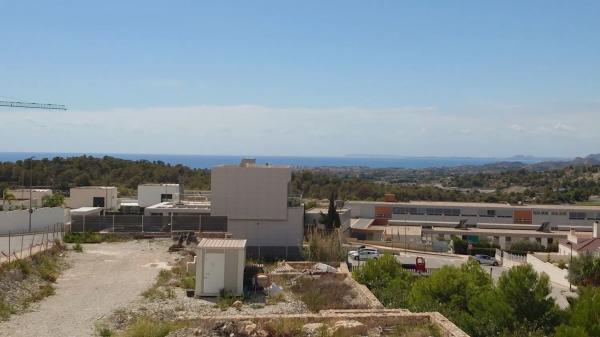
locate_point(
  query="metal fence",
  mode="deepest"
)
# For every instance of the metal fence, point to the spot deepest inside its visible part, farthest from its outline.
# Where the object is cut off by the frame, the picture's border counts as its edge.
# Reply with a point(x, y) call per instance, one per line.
point(148, 223)
point(20, 245)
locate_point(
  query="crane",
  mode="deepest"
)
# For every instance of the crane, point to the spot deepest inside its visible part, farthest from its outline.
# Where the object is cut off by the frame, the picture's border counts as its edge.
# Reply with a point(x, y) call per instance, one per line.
point(14, 104)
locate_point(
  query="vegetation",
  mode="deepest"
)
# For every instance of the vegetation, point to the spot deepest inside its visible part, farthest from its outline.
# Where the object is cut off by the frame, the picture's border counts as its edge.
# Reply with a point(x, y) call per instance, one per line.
point(324, 247)
point(585, 270)
point(323, 293)
point(93, 237)
point(148, 327)
point(519, 305)
point(331, 220)
point(54, 200)
point(423, 330)
point(284, 327)
point(225, 300)
point(78, 247)
point(584, 316)
point(158, 289)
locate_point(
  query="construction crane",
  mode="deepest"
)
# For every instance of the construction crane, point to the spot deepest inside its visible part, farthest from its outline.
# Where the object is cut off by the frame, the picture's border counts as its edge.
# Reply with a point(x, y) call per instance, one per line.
point(14, 104)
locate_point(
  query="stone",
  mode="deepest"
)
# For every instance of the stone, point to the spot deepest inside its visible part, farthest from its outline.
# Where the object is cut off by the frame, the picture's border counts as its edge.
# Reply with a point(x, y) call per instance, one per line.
point(348, 328)
point(312, 329)
point(246, 328)
point(237, 305)
point(197, 332)
point(262, 333)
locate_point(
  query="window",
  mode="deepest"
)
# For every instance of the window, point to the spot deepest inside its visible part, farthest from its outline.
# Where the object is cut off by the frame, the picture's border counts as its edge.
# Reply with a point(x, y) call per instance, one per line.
point(400, 210)
point(416, 211)
point(166, 197)
point(577, 215)
point(434, 211)
point(451, 212)
point(488, 213)
point(98, 202)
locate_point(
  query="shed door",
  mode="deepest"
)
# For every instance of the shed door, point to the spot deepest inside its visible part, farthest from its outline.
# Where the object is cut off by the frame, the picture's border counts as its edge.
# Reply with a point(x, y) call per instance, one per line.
point(214, 273)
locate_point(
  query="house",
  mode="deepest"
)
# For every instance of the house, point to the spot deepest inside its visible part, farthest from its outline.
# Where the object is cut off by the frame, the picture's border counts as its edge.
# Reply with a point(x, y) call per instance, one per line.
point(104, 197)
point(581, 243)
point(152, 194)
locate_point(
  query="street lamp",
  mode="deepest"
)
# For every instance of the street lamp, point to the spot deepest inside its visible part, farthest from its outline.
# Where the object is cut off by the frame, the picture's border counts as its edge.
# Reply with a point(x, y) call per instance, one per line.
point(30, 187)
point(570, 263)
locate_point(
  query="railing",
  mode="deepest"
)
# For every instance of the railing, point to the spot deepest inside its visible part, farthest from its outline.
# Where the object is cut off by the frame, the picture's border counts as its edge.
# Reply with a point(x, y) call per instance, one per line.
point(14, 246)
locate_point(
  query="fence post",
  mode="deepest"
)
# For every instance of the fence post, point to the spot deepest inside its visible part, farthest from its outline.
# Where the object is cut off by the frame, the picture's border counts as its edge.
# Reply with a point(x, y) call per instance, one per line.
point(22, 236)
point(83, 223)
point(142, 223)
point(32, 242)
point(113, 223)
point(8, 246)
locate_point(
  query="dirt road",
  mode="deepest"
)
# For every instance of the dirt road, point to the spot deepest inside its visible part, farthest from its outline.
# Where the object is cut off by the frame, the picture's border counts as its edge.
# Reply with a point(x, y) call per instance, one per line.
point(101, 279)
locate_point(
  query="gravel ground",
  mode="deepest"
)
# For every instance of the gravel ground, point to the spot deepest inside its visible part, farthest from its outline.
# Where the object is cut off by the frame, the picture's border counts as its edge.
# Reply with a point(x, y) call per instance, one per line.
point(102, 278)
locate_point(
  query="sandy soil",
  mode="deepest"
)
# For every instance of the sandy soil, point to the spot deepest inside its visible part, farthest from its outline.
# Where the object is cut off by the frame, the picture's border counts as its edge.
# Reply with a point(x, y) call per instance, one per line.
point(104, 277)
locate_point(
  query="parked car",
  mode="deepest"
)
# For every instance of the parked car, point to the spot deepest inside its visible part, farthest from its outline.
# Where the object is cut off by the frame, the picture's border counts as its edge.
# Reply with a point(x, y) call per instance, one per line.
point(363, 253)
point(486, 260)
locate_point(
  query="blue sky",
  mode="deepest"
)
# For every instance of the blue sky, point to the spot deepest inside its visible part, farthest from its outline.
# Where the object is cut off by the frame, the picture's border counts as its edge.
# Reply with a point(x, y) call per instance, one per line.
point(467, 78)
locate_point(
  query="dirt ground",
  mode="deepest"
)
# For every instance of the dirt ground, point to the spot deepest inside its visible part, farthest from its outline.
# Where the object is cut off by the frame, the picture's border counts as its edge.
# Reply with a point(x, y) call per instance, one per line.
point(104, 277)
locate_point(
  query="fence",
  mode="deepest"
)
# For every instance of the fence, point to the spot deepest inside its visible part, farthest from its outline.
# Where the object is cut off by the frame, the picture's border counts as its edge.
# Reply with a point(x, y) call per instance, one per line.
point(24, 244)
point(509, 259)
point(148, 223)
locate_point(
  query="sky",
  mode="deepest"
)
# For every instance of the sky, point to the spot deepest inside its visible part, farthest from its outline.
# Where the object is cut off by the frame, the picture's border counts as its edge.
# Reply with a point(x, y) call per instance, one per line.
point(306, 78)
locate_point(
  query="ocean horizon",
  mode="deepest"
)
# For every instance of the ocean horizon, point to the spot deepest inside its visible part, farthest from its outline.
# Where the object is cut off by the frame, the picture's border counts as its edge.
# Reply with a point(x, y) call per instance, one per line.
point(207, 161)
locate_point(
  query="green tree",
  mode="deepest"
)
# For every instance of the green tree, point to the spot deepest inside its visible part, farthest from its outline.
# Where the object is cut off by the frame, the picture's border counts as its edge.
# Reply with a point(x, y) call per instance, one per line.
point(386, 279)
point(54, 200)
point(585, 270)
point(584, 315)
point(332, 219)
point(527, 293)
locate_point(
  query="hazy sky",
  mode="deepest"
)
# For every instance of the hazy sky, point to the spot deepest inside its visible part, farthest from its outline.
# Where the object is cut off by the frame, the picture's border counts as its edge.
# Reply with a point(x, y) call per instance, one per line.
point(468, 78)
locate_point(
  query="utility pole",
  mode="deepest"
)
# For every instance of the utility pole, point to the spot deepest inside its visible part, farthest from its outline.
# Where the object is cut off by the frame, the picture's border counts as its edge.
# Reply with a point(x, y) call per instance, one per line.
point(30, 188)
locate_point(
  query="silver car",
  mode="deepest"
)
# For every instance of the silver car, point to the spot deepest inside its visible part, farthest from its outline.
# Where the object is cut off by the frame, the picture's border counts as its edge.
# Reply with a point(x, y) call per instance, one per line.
point(486, 260)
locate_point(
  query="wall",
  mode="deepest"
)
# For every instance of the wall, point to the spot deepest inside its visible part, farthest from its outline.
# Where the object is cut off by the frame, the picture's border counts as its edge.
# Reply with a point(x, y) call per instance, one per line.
point(288, 232)
point(556, 274)
point(235, 260)
point(149, 195)
point(250, 193)
point(83, 197)
point(41, 218)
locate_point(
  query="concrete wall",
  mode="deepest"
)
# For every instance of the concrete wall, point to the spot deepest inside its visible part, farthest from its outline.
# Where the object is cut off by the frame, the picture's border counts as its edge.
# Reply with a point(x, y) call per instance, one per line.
point(250, 193)
point(149, 195)
point(286, 232)
point(556, 274)
point(84, 196)
point(18, 221)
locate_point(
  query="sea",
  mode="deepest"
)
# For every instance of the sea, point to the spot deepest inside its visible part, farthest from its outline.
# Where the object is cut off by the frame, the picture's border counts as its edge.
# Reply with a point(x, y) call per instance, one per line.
point(207, 161)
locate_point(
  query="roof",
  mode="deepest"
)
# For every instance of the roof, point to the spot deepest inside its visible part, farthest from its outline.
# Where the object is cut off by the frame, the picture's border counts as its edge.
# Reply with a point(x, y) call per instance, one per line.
point(591, 245)
point(497, 232)
point(324, 210)
point(222, 243)
point(472, 204)
point(86, 210)
point(94, 187)
point(158, 184)
point(361, 223)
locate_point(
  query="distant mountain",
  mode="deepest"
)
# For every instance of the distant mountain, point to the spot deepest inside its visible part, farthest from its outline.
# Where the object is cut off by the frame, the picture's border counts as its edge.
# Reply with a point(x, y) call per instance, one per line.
point(592, 159)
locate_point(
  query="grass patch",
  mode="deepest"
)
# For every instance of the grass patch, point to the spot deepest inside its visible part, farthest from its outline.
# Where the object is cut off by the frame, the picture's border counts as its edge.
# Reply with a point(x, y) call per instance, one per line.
point(284, 327)
point(46, 266)
point(94, 237)
point(158, 291)
point(422, 330)
point(78, 247)
point(225, 300)
point(103, 331)
point(323, 293)
point(188, 282)
point(5, 309)
point(272, 300)
point(148, 327)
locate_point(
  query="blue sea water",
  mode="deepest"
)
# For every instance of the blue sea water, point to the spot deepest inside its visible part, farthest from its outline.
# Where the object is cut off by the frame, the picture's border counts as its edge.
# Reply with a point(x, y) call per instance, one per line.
point(207, 161)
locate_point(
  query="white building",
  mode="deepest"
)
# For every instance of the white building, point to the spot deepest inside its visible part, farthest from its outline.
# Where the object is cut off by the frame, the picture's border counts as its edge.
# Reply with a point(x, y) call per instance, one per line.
point(256, 201)
point(581, 243)
point(152, 194)
point(21, 197)
point(93, 196)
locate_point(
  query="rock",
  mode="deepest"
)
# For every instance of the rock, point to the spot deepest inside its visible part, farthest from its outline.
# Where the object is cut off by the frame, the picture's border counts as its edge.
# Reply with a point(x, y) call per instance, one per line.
point(237, 305)
point(348, 328)
point(197, 332)
point(262, 333)
point(312, 329)
point(245, 328)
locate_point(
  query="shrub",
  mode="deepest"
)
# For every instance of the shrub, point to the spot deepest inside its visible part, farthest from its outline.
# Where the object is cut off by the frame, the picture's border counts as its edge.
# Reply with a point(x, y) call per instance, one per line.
point(23, 265)
point(5, 309)
point(85, 237)
point(46, 267)
point(284, 327)
point(585, 270)
point(323, 293)
point(325, 247)
point(188, 282)
point(78, 247)
point(225, 300)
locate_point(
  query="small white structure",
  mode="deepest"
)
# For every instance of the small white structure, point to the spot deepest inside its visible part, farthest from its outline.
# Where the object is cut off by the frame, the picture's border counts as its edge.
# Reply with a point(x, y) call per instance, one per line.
point(220, 266)
point(21, 197)
point(104, 197)
point(152, 194)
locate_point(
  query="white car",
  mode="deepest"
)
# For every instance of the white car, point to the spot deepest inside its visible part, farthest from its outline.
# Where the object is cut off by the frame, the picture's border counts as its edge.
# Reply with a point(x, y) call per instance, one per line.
point(363, 254)
point(486, 260)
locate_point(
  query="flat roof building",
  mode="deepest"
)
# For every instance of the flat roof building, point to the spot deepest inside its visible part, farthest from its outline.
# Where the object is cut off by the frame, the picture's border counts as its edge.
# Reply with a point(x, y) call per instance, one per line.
point(152, 194)
point(104, 197)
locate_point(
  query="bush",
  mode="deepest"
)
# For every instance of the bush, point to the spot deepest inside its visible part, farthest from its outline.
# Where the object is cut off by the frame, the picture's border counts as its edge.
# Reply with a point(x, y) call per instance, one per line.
point(85, 237)
point(46, 267)
point(188, 282)
point(585, 270)
point(325, 247)
point(78, 247)
point(5, 309)
point(284, 327)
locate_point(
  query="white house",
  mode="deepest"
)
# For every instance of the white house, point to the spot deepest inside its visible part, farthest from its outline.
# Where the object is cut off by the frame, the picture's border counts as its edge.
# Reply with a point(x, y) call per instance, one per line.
point(93, 196)
point(152, 194)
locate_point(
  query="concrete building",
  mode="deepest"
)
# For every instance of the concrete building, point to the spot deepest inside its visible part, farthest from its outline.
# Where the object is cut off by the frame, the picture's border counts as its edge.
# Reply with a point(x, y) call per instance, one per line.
point(21, 197)
point(220, 267)
point(562, 217)
point(104, 197)
point(152, 194)
point(258, 206)
point(581, 243)
point(312, 217)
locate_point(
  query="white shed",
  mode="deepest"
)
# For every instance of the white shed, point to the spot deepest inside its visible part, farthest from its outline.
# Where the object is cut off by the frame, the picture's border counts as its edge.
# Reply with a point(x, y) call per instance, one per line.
point(220, 266)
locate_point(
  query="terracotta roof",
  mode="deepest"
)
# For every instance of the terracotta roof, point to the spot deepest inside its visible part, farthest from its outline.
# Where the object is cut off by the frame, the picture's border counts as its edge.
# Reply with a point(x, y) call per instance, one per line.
point(591, 245)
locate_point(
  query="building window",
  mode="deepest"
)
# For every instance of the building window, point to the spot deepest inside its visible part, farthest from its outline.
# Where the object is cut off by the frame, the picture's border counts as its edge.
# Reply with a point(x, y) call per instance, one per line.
point(577, 215)
point(434, 211)
point(451, 212)
point(166, 197)
point(98, 202)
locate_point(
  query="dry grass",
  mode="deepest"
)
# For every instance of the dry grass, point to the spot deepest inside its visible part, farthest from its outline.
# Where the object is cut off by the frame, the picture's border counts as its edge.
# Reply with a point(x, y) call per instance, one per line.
point(324, 293)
